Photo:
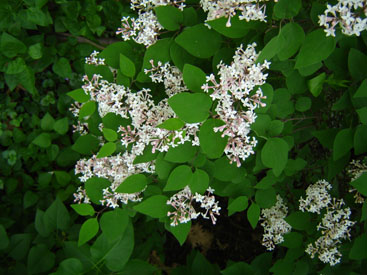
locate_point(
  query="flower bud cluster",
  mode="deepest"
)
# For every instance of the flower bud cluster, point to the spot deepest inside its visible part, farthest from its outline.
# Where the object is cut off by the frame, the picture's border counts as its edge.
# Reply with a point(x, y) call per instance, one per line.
point(184, 212)
point(346, 14)
point(334, 226)
point(94, 60)
point(237, 99)
point(248, 10)
point(274, 224)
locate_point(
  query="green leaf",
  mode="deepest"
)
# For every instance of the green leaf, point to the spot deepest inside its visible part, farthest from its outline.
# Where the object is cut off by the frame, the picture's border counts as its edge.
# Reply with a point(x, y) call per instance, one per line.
point(299, 220)
point(275, 127)
point(275, 154)
point(212, 143)
point(106, 150)
point(314, 40)
point(253, 214)
point(359, 251)
point(87, 110)
point(266, 182)
point(63, 178)
point(16, 66)
point(172, 124)
point(88, 230)
point(29, 199)
point(40, 259)
point(199, 181)
point(266, 198)
point(113, 121)
point(11, 46)
point(226, 171)
point(94, 187)
point(114, 223)
point(271, 49)
point(83, 209)
point(163, 168)
point(4, 239)
point(294, 35)
point(356, 64)
point(147, 155)
point(343, 143)
point(61, 126)
point(35, 51)
point(132, 184)
point(86, 145)
point(47, 122)
point(181, 153)
point(237, 205)
point(286, 9)
point(326, 137)
point(362, 113)
point(180, 57)
point(195, 41)
point(194, 78)
point(303, 104)
point(315, 84)
point(109, 134)
point(42, 140)
point(155, 206)
point(70, 266)
point(62, 68)
point(79, 95)
point(169, 17)
point(127, 67)
point(292, 240)
point(362, 90)
point(159, 51)
point(180, 231)
point(38, 16)
point(360, 137)
point(57, 216)
point(112, 52)
point(191, 108)
point(361, 184)
point(179, 178)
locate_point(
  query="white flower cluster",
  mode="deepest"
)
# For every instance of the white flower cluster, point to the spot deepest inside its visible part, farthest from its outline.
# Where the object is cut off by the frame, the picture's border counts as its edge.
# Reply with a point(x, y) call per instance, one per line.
point(317, 197)
point(249, 10)
point(150, 4)
point(346, 14)
point(274, 224)
point(356, 170)
point(184, 210)
point(237, 100)
point(334, 226)
point(94, 60)
point(169, 75)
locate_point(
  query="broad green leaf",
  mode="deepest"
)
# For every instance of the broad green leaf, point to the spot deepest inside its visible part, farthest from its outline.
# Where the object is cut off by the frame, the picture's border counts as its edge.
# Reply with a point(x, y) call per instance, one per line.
point(237, 205)
point(274, 154)
point(132, 184)
point(299, 220)
point(314, 40)
point(362, 113)
point(109, 134)
point(29, 199)
point(114, 223)
point(326, 137)
point(294, 166)
point(20, 244)
point(169, 17)
point(62, 68)
point(226, 171)
point(102, 70)
point(86, 145)
point(35, 51)
point(362, 90)
point(271, 49)
point(193, 78)
point(106, 150)
point(15, 66)
point(42, 140)
point(87, 109)
point(266, 198)
point(253, 214)
point(286, 9)
point(195, 41)
point(359, 251)
point(40, 259)
point(155, 206)
point(127, 67)
point(147, 155)
point(315, 84)
point(180, 56)
point(11, 46)
point(63, 178)
point(83, 209)
point(343, 143)
point(112, 52)
point(70, 266)
point(57, 216)
point(294, 36)
point(356, 64)
point(47, 122)
point(4, 239)
point(212, 143)
point(38, 16)
point(159, 51)
point(180, 231)
point(360, 137)
point(137, 266)
point(79, 95)
point(266, 182)
point(296, 83)
point(200, 265)
point(181, 153)
point(199, 182)
point(172, 124)
point(163, 168)
point(361, 184)
point(268, 91)
point(94, 188)
point(303, 104)
point(292, 240)
point(113, 121)
point(61, 126)
point(275, 127)
point(180, 177)
point(191, 108)
point(238, 268)
point(88, 230)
